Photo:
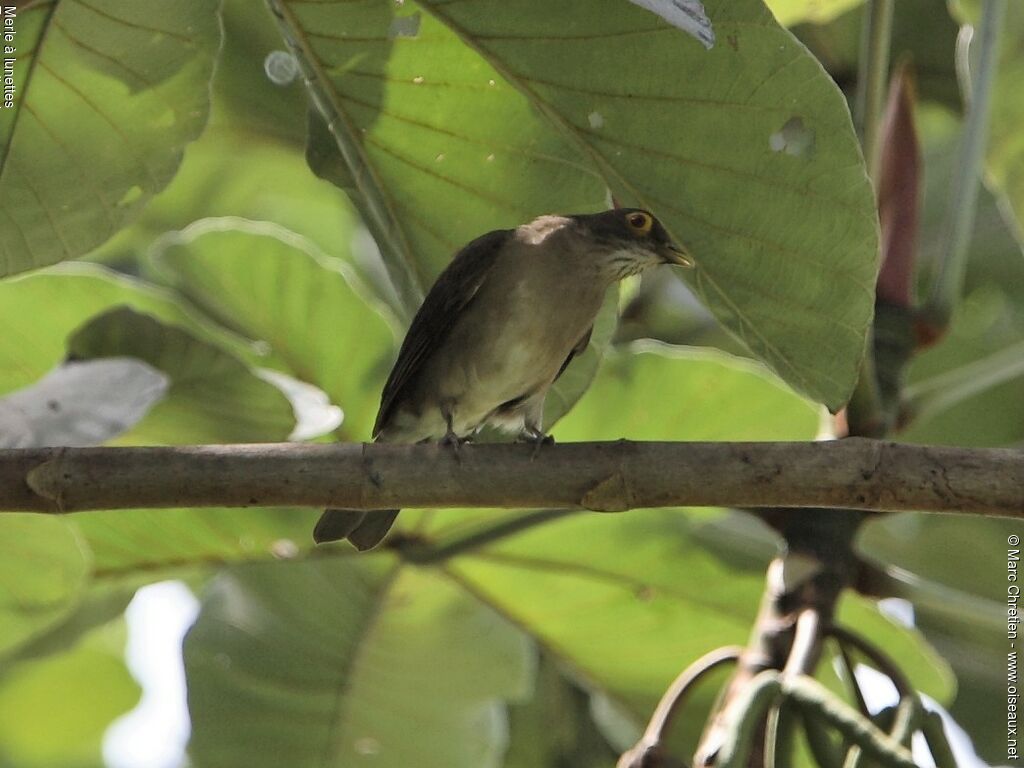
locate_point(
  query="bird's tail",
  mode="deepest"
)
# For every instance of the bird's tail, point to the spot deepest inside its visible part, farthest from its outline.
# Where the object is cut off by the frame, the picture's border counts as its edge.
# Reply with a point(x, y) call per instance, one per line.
point(365, 529)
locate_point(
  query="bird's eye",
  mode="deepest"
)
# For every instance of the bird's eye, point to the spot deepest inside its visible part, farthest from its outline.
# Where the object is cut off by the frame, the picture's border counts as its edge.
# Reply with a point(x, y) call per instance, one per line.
point(640, 223)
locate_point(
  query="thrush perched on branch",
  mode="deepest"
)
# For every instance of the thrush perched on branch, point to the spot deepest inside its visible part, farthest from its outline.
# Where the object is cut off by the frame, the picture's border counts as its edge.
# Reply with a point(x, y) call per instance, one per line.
point(500, 325)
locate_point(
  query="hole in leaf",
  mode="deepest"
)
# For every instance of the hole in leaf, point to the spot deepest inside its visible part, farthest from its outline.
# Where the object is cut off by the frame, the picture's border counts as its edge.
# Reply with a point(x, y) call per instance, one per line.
point(404, 26)
point(794, 138)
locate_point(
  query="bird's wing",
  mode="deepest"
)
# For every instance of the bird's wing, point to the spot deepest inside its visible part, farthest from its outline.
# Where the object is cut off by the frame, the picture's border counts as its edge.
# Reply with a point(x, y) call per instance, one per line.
point(455, 288)
point(579, 349)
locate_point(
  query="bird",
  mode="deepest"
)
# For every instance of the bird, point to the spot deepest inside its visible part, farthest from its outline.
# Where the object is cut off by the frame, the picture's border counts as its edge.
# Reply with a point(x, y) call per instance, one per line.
point(501, 323)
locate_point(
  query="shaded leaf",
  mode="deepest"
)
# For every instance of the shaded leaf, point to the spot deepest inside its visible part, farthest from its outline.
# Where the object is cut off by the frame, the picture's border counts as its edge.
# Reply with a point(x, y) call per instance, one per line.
point(146, 545)
point(626, 601)
point(278, 288)
point(107, 96)
point(436, 145)
point(43, 569)
point(34, 341)
point(677, 393)
point(374, 665)
point(786, 244)
point(267, 182)
point(555, 728)
point(54, 711)
point(213, 396)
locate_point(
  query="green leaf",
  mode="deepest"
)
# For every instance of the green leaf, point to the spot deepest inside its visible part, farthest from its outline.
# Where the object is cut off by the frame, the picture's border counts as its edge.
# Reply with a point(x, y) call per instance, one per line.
point(34, 341)
point(356, 662)
point(107, 95)
point(436, 145)
point(588, 587)
point(659, 392)
point(268, 182)
point(213, 397)
point(928, 672)
point(790, 12)
point(746, 151)
point(555, 727)
point(146, 545)
point(277, 287)
point(43, 569)
point(55, 711)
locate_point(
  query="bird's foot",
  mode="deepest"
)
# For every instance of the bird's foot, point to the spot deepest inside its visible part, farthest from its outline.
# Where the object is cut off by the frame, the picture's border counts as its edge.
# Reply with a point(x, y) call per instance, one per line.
point(535, 437)
point(454, 443)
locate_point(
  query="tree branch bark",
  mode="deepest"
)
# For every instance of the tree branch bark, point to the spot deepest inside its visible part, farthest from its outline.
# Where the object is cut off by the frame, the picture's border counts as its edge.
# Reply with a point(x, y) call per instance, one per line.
point(854, 473)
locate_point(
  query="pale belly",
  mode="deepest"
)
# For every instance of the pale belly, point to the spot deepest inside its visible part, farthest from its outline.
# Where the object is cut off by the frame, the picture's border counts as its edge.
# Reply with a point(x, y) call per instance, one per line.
point(485, 364)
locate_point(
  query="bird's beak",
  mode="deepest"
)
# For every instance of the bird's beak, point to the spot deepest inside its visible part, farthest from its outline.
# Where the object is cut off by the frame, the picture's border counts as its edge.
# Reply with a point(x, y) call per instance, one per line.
point(677, 255)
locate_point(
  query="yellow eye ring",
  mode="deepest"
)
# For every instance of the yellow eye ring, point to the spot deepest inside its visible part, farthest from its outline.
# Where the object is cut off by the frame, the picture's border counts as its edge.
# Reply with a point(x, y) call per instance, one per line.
point(640, 222)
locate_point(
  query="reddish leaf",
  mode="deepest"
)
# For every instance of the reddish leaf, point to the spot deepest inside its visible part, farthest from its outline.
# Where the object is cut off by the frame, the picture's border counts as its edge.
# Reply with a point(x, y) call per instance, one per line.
point(899, 191)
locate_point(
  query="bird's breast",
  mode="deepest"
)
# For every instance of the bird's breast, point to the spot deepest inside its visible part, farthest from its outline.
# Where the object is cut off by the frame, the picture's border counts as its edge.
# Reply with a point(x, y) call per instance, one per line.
point(508, 343)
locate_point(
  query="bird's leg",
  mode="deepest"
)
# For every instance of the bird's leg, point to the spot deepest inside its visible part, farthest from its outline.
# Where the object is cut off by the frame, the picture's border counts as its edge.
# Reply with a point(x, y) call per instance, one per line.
point(532, 433)
point(451, 439)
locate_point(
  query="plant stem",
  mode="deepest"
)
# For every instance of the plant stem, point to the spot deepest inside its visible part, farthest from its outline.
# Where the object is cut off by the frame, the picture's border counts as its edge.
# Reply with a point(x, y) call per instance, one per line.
point(872, 75)
point(951, 264)
point(864, 413)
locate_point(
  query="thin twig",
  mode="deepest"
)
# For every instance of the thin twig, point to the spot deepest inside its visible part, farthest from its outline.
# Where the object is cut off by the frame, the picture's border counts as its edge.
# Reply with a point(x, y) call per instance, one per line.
point(851, 679)
point(672, 700)
point(880, 660)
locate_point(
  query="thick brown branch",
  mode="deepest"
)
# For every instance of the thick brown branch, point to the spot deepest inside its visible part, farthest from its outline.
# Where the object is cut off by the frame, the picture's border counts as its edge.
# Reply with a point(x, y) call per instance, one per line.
point(853, 473)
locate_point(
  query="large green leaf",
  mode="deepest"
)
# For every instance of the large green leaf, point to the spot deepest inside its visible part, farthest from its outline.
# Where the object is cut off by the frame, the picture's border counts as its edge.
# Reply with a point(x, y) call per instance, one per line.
point(107, 95)
point(443, 147)
point(43, 569)
point(588, 587)
point(279, 288)
point(39, 312)
point(213, 396)
point(658, 392)
point(145, 545)
point(349, 663)
point(746, 151)
point(555, 727)
point(668, 585)
point(268, 182)
point(54, 711)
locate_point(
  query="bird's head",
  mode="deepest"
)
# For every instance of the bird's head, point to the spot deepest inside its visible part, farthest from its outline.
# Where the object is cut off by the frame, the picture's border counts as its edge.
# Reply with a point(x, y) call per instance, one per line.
point(630, 240)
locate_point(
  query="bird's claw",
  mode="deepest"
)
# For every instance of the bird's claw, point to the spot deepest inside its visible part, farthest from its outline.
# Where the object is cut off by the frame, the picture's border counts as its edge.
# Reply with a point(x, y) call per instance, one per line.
point(453, 442)
point(536, 438)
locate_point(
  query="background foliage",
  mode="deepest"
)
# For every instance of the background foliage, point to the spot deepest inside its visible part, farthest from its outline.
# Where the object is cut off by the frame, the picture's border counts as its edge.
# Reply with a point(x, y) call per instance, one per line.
point(266, 287)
